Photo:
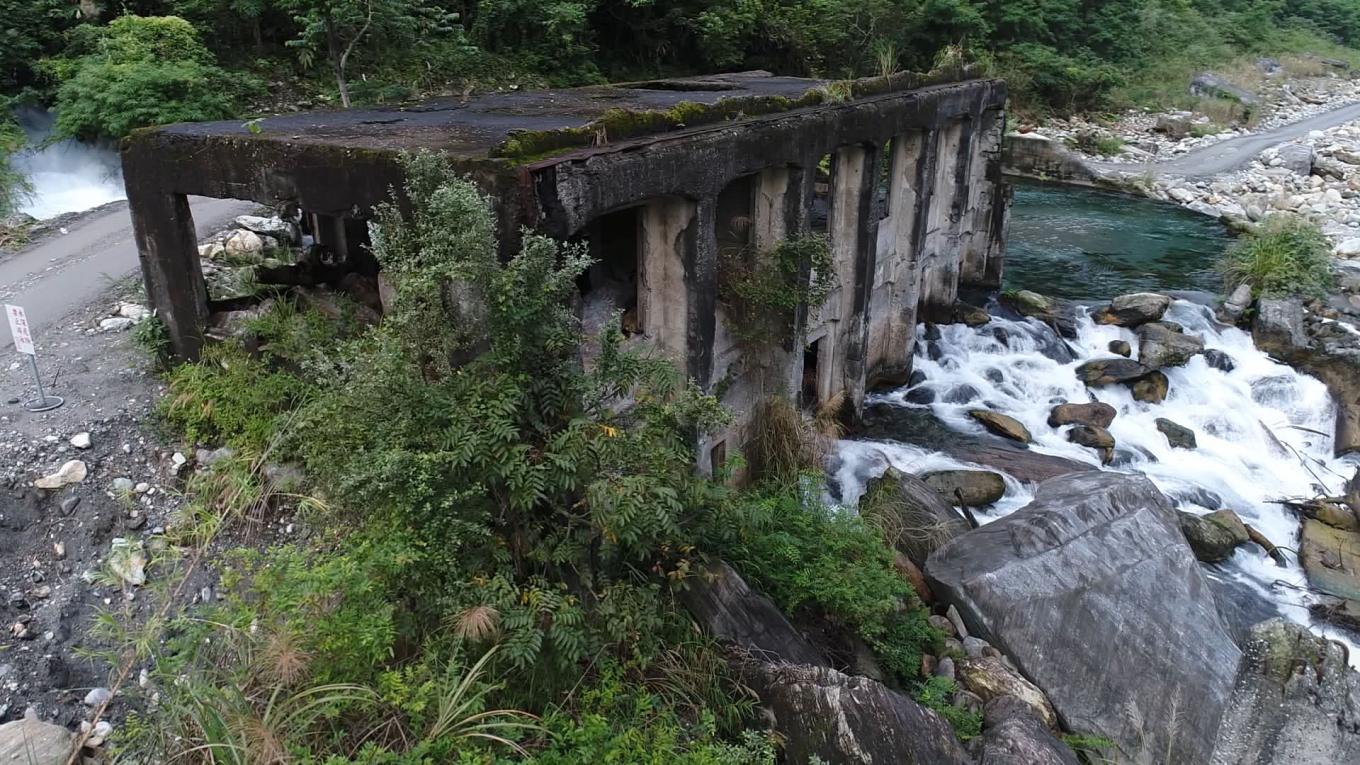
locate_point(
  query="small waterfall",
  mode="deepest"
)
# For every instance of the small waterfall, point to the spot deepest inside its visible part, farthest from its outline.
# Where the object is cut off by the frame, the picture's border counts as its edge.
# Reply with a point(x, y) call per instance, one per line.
point(1264, 430)
point(67, 176)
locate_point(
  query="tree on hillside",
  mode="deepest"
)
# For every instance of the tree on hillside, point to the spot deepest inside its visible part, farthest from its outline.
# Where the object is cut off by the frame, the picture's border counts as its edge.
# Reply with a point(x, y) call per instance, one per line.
point(340, 27)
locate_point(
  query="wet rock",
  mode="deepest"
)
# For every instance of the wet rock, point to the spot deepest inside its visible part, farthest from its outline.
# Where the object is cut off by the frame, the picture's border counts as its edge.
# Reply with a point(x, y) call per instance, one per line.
point(1002, 425)
point(1235, 305)
point(1278, 327)
point(72, 471)
point(1098, 561)
point(1296, 702)
point(962, 313)
point(1178, 436)
point(1094, 437)
point(1151, 389)
point(1219, 360)
point(1213, 539)
point(970, 488)
point(726, 607)
point(1331, 558)
point(1013, 735)
point(1060, 315)
point(1102, 372)
point(1095, 413)
point(1134, 310)
point(991, 679)
point(819, 712)
point(1160, 346)
point(924, 519)
point(1121, 348)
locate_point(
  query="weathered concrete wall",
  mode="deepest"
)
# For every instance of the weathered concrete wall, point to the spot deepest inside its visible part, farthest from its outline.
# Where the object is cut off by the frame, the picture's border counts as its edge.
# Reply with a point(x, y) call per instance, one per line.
point(897, 255)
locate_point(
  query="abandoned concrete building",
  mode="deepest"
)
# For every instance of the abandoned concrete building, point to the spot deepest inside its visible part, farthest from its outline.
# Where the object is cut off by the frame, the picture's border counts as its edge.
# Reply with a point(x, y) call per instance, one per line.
point(902, 173)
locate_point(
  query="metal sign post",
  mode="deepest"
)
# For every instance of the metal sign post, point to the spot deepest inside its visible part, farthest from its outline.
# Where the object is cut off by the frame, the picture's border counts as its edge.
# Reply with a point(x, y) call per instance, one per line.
point(23, 343)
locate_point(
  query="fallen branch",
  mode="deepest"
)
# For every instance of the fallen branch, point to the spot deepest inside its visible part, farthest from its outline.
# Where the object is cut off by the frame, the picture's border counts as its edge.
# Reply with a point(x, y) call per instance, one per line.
point(1274, 552)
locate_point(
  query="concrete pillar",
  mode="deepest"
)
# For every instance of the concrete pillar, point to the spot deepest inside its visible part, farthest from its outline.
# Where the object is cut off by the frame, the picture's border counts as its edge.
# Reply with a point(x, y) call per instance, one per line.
point(703, 290)
point(984, 240)
point(167, 246)
point(896, 289)
point(770, 213)
point(667, 241)
point(940, 261)
point(854, 237)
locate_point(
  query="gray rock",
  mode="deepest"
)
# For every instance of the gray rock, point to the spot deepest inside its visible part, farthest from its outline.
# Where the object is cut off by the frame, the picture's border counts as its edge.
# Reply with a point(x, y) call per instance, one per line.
point(969, 488)
point(98, 696)
point(1178, 436)
point(123, 485)
point(1210, 85)
point(1173, 125)
point(1002, 425)
point(1212, 540)
point(727, 608)
point(1013, 735)
point(923, 519)
point(1151, 388)
point(1296, 158)
point(1118, 626)
point(31, 741)
point(1278, 328)
point(846, 720)
point(1235, 305)
point(1134, 309)
point(1121, 348)
point(1094, 437)
point(1219, 360)
point(1102, 372)
point(1160, 346)
point(1296, 702)
point(1095, 413)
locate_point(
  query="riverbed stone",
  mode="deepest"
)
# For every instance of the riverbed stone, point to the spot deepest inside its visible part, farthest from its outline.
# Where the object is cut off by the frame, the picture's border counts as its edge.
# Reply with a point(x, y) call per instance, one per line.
point(1210, 85)
point(1094, 437)
point(989, 678)
point(1002, 425)
point(1235, 305)
point(1095, 413)
point(1278, 327)
point(1141, 655)
point(1121, 348)
point(1219, 360)
point(1161, 346)
point(1013, 735)
point(1177, 435)
point(819, 712)
point(1331, 558)
point(1151, 388)
point(1211, 540)
point(1296, 701)
point(30, 741)
point(969, 488)
point(1102, 372)
point(1134, 309)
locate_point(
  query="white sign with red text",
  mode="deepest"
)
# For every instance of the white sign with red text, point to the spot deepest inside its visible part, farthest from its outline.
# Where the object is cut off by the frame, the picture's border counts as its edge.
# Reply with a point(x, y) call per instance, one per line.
point(18, 328)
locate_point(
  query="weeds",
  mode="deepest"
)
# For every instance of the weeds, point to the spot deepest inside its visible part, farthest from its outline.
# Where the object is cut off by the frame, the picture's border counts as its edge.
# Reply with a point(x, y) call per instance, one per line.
point(1287, 255)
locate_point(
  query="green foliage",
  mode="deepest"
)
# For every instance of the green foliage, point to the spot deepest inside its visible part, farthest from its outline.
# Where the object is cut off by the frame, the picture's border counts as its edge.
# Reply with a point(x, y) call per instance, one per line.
point(14, 187)
point(139, 71)
point(830, 565)
point(1100, 144)
point(231, 397)
point(937, 693)
point(151, 336)
point(1287, 255)
point(763, 290)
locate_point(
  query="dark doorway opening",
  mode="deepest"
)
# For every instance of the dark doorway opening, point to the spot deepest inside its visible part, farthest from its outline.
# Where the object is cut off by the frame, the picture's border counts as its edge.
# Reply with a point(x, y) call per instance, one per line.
point(610, 285)
point(812, 355)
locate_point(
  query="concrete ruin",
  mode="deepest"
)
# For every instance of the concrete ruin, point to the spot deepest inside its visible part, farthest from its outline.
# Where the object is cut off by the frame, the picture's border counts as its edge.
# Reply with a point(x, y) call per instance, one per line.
point(903, 174)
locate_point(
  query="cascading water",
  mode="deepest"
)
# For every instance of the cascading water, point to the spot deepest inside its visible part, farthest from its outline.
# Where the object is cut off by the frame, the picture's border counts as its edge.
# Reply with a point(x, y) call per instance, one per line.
point(66, 176)
point(1263, 429)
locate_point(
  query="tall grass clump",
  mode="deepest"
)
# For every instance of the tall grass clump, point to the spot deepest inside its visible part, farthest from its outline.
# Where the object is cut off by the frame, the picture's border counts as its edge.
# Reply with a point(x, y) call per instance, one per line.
point(1286, 256)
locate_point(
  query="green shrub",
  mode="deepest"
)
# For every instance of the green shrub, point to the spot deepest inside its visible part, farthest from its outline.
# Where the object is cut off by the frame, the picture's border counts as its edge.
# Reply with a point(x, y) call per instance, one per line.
point(140, 71)
point(230, 397)
point(14, 187)
point(1287, 255)
point(937, 693)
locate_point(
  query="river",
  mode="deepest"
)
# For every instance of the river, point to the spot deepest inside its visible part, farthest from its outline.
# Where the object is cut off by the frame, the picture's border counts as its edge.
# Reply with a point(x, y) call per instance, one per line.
point(66, 176)
point(1264, 430)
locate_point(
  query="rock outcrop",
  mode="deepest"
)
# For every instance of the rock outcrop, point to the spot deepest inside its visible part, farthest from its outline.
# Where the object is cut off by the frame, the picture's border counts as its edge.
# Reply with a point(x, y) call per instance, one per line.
point(925, 519)
point(1296, 702)
point(969, 488)
point(727, 608)
point(1278, 327)
point(1118, 626)
point(1013, 735)
point(31, 741)
point(851, 720)
point(1213, 537)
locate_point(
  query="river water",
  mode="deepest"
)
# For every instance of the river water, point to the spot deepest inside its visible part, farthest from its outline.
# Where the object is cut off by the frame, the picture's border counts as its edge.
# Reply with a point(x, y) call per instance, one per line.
point(66, 176)
point(1264, 431)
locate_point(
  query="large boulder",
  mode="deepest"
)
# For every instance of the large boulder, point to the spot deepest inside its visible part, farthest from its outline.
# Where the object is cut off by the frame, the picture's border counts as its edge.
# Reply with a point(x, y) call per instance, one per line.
point(1331, 557)
point(1095, 413)
point(1210, 85)
point(1213, 537)
point(1296, 158)
point(990, 678)
point(1002, 425)
point(969, 488)
point(1151, 388)
point(1134, 309)
point(727, 608)
point(1177, 435)
point(1013, 735)
point(1161, 346)
point(1334, 358)
point(1095, 596)
point(1278, 327)
point(31, 741)
point(1296, 702)
point(1059, 314)
point(920, 518)
point(1101, 372)
point(819, 712)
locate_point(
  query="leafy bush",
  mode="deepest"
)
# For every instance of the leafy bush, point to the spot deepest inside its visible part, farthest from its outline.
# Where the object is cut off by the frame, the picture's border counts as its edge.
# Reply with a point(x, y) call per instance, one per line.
point(830, 565)
point(230, 397)
point(140, 71)
point(763, 290)
point(14, 187)
point(937, 693)
point(1287, 255)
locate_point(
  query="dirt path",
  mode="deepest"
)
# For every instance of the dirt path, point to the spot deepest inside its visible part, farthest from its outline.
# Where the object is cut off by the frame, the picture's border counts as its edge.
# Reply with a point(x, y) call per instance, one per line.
point(1229, 155)
point(63, 272)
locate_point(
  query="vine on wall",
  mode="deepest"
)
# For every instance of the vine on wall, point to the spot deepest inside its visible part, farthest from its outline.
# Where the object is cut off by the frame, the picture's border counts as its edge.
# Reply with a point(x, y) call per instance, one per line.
point(762, 291)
